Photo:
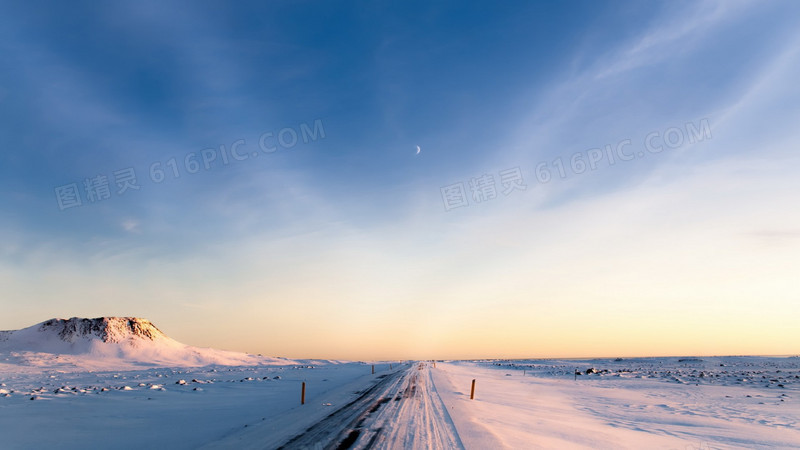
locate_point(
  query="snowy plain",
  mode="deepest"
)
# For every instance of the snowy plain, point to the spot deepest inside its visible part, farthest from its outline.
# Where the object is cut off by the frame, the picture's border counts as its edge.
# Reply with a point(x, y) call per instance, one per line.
point(675, 403)
point(672, 403)
point(67, 383)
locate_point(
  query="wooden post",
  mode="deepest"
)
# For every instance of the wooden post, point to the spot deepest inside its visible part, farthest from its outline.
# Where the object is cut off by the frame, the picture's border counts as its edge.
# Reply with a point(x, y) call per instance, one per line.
point(523, 372)
point(373, 369)
point(434, 364)
point(472, 392)
point(303, 394)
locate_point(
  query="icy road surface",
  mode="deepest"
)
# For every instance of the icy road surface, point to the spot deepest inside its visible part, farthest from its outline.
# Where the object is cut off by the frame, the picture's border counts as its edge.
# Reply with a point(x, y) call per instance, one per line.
point(400, 410)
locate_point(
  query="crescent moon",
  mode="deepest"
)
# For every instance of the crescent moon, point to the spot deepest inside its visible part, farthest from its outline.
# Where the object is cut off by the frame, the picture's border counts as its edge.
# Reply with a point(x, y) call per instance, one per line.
point(418, 150)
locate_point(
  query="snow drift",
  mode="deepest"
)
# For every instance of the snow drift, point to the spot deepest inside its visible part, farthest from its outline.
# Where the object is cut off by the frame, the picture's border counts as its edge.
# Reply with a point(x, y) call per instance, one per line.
point(109, 343)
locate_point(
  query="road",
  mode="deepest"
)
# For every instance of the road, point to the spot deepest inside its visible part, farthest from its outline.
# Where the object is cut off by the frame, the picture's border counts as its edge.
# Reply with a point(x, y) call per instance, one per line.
point(402, 410)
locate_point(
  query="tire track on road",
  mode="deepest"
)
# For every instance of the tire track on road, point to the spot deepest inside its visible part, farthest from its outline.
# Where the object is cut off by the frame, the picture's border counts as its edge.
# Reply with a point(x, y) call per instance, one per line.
point(403, 410)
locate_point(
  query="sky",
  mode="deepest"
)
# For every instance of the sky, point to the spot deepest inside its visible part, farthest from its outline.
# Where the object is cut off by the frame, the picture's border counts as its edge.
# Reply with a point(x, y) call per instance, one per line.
point(612, 178)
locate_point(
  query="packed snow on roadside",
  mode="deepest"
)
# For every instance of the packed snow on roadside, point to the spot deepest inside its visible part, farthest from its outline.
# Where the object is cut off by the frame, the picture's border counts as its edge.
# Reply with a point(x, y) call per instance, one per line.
point(168, 407)
point(678, 403)
point(65, 382)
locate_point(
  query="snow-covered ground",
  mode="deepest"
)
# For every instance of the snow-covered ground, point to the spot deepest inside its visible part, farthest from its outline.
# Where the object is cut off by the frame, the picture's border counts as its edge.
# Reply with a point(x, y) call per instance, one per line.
point(678, 403)
point(67, 382)
point(154, 408)
point(636, 403)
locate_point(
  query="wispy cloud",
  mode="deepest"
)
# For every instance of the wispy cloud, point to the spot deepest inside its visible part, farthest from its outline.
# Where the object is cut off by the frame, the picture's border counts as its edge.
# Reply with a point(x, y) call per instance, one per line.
point(131, 226)
point(352, 235)
point(673, 36)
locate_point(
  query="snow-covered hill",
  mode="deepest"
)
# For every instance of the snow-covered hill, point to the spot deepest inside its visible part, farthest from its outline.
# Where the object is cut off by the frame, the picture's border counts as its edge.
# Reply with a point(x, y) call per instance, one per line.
point(108, 343)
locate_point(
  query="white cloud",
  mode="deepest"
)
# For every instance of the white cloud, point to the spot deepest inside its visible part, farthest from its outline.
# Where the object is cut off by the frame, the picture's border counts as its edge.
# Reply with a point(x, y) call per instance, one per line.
point(131, 226)
point(674, 35)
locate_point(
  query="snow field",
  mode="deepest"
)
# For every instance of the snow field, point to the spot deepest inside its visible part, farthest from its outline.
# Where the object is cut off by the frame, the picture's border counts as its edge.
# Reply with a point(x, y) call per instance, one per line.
point(548, 408)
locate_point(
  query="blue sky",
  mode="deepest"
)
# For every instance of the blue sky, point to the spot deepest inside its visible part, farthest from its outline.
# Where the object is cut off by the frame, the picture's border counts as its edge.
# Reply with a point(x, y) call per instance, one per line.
point(348, 235)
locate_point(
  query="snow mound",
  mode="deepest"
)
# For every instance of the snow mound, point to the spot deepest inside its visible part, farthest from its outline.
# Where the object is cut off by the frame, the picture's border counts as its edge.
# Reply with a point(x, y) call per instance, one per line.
point(109, 343)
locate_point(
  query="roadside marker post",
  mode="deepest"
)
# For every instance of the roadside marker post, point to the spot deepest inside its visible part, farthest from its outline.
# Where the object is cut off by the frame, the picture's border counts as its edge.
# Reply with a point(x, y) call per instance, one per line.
point(472, 391)
point(303, 394)
point(373, 369)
